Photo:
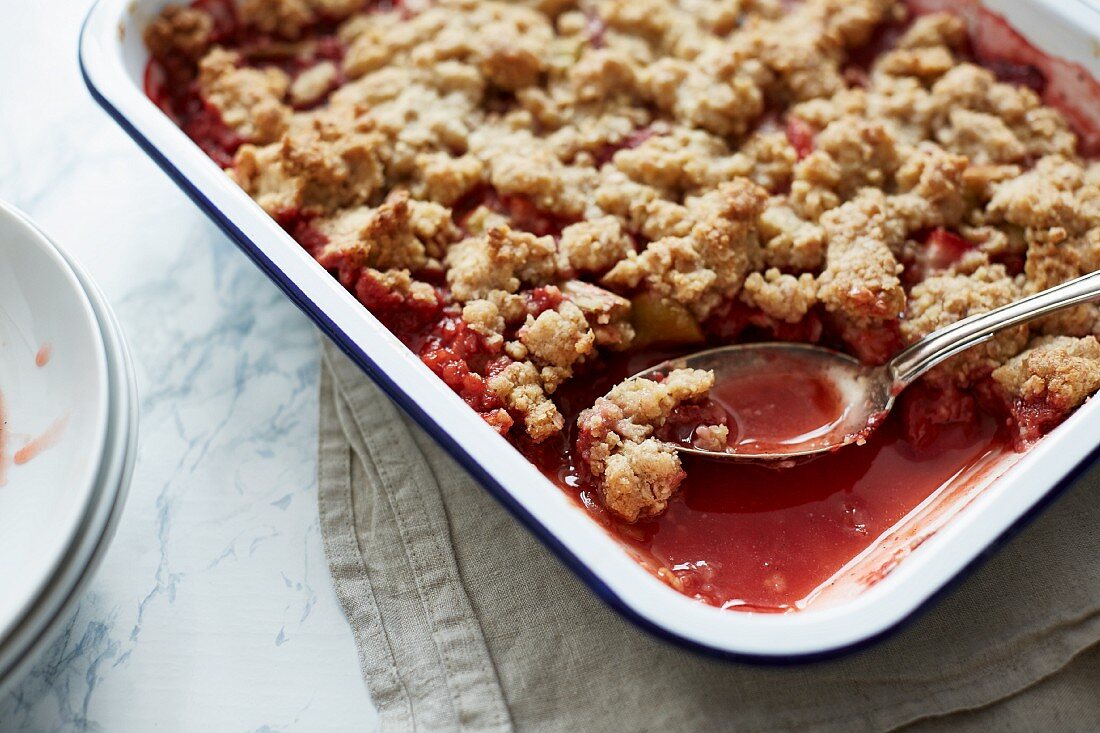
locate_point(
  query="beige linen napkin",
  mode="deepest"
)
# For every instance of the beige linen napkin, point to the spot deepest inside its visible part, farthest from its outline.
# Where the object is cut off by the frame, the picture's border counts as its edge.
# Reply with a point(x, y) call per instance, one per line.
point(464, 621)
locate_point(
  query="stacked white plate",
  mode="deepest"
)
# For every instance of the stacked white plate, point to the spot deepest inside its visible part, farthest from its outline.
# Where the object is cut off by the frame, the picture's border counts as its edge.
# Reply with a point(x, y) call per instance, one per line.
point(68, 431)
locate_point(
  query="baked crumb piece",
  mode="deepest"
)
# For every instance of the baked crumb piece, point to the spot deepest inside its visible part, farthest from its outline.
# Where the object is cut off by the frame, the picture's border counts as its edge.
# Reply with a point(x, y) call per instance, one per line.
point(1054, 208)
point(495, 314)
point(608, 314)
point(401, 233)
point(926, 49)
point(285, 18)
point(595, 245)
point(640, 206)
point(781, 296)
point(767, 158)
point(682, 161)
point(289, 18)
point(931, 191)
point(312, 84)
point(445, 178)
point(983, 138)
point(934, 29)
point(249, 100)
point(401, 284)
point(804, 47)
point(694, 95)
point(711, 438)
point(1040, 130)
point(179, 30)
point(519, 386)
point(1061, 371)
point(710, 263)
point(639, 478)
point(860, 281)
point(330, 164)
point(521, 164)
point(863, 151)
point(790, 242)
point(484, 317)
point(636, 473)
point(499, 259)
point(941, 300)
point(555, 340)
point(1044, 197)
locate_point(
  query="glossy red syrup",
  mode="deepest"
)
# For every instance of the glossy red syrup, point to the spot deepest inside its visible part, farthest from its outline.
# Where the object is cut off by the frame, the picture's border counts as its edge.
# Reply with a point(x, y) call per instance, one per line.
point(771, 408)
point(42, 357)
point(750, 537)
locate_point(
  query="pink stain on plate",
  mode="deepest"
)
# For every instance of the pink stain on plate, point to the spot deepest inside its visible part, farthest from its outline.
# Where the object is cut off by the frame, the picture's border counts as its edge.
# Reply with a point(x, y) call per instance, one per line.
point(3, 444)
point(34, 447)
point(42, 358)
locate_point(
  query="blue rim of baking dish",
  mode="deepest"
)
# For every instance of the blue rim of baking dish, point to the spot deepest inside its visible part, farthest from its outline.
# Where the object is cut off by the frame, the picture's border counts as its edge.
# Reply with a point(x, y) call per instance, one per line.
point(544, 535)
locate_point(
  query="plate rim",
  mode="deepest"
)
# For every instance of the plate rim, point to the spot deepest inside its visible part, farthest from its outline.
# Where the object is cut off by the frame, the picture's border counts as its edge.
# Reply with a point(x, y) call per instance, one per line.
point(33, 234)
point(20, 649)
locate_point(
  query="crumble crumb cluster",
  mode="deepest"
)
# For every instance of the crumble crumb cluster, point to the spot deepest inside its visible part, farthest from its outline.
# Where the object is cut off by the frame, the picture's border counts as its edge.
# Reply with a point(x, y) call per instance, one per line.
point(1063, 369)
point(638, 472)
point(526, 186)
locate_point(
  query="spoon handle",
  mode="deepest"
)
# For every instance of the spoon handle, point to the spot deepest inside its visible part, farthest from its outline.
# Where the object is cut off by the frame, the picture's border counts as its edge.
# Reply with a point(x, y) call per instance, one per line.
point(950, 340)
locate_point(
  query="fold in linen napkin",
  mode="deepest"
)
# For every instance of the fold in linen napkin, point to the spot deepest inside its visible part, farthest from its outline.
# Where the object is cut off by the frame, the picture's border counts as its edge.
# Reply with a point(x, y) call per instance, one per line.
point(463, 621)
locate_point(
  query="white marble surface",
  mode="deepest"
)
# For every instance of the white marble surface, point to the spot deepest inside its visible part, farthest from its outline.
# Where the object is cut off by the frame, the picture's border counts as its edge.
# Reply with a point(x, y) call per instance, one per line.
point(213, 609)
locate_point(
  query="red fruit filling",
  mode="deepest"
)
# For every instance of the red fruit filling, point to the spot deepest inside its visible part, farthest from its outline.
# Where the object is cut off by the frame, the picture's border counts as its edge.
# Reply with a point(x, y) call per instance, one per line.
point(522, 213)
point(631, 141)
point(681, 425)
point(800, 134)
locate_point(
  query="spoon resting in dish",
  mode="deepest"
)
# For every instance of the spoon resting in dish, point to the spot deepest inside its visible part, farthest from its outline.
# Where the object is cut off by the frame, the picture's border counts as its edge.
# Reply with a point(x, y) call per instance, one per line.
point(790, 400)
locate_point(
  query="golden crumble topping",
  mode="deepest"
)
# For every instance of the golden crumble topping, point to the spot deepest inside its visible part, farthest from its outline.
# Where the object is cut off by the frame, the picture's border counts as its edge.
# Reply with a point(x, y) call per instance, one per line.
point(520, 386)
point(556, 340)
point(249, 100)
point(499, 259)
point(636, 472)
point(596, 245)
point(710, 262)
point(520, 189)
point(943, 299)
point(1059, 369)
point(785, 297)
point(178, 30)
point(860, 280)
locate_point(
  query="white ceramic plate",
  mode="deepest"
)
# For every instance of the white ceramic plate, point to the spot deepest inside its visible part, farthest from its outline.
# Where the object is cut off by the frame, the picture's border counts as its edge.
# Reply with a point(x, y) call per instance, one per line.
point(53, 377)
point(59, 599)
point(939, 547)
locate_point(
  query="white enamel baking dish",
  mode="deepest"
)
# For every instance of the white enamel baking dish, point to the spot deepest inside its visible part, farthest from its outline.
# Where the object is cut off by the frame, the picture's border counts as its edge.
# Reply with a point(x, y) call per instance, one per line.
point(942, 539)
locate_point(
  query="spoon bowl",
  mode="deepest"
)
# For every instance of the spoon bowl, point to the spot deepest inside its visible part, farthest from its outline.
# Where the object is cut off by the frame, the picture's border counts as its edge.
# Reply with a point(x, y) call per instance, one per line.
point(787, 401)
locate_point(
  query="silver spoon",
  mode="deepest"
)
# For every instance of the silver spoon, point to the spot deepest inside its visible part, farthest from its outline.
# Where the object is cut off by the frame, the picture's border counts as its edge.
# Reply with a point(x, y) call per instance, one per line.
point(863, 394)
